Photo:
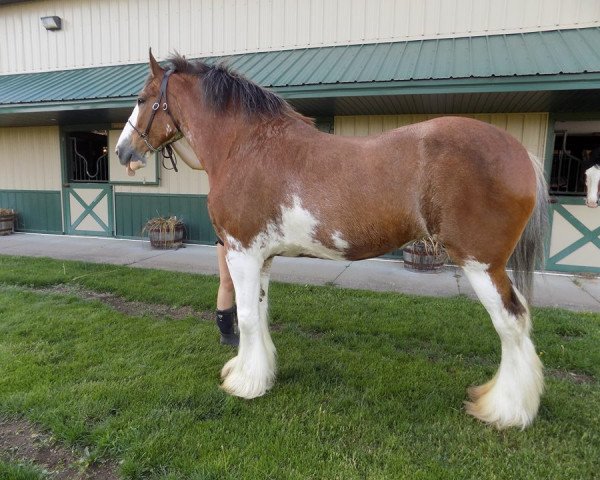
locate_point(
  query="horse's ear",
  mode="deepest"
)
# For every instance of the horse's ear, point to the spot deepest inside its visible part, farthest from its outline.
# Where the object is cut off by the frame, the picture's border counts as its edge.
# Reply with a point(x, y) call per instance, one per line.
point(154, 66)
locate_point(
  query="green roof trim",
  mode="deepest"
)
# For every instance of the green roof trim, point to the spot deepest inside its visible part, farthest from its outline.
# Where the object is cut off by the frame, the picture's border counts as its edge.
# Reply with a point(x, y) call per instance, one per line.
point(551, 60)
point(469, 85)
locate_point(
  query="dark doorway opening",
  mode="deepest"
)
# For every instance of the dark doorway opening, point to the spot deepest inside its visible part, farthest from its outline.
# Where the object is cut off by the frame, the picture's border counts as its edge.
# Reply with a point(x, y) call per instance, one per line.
point(87, 156)
point(570, 150)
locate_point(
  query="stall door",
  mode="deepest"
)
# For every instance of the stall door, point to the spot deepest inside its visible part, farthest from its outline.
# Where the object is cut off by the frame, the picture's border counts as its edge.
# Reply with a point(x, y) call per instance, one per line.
point(89, 209)
point(87, 195)
point(575, 237)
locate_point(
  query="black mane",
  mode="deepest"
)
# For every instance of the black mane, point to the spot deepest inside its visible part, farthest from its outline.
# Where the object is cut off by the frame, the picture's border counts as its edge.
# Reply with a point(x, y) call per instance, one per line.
point(222, 87)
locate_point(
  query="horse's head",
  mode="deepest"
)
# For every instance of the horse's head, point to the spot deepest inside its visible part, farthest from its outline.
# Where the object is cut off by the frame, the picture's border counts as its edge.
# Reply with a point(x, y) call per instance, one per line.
point(151, 126)
point(591, 166)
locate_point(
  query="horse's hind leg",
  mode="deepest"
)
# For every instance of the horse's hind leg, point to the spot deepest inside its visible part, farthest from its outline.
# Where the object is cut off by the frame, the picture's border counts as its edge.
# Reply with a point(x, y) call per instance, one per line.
point(512, 397)
point(251, 373)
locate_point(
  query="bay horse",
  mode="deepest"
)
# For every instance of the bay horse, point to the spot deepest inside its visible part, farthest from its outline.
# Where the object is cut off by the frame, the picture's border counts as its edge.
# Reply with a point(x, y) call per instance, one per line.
point(591, 167)
point(279, 186)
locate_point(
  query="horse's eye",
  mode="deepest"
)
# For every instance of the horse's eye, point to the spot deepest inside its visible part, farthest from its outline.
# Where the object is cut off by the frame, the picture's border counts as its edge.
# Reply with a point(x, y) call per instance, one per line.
point(141, 101)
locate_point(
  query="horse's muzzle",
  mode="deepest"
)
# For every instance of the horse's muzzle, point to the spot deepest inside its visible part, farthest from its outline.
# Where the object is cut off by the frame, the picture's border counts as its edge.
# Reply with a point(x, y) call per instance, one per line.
point(128, 154)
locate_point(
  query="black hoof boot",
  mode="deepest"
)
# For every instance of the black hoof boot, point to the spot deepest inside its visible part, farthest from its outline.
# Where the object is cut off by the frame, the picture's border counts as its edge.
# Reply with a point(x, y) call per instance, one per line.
point(226, 320)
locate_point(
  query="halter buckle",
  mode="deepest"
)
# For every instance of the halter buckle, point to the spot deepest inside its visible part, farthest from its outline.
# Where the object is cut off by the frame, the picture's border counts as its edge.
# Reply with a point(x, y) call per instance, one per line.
point(155, 106)
point(165, 106)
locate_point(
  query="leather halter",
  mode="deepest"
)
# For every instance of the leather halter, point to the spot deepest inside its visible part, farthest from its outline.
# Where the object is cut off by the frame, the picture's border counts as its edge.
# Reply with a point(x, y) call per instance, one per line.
point(170, 154)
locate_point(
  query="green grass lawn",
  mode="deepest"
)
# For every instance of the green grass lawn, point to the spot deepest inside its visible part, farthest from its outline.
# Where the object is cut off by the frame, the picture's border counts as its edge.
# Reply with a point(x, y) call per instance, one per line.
point(370, 385)
point(18, 471)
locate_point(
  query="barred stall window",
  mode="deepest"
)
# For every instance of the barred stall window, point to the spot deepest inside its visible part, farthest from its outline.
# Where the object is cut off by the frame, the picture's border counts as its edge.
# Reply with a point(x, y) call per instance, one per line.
point(88, 156)
point(571, 149)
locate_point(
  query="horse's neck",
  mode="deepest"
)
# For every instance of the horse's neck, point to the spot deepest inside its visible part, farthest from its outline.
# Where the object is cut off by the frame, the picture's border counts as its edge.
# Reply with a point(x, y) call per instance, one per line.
point(216, 140)
point(210, 141)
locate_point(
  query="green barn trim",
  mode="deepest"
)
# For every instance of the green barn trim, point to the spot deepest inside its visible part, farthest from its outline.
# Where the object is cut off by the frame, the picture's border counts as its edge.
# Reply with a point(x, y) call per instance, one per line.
point(133, 210)
point(38, 211)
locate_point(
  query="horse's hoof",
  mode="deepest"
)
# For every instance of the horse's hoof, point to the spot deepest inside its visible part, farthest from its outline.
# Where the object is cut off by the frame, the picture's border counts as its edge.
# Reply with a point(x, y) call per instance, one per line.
point(228, 367)
point(490, 406)
point(475, 393)
point(243, 382)
point(486, 414)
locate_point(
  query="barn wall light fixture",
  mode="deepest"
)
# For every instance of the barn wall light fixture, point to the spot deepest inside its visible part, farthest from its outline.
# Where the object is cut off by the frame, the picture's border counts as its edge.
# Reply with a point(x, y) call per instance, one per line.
point(52, 23)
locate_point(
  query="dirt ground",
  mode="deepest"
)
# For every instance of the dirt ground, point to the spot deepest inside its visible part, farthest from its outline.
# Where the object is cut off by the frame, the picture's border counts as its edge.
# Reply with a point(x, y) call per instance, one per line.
point(21, 441)
point(130, 307)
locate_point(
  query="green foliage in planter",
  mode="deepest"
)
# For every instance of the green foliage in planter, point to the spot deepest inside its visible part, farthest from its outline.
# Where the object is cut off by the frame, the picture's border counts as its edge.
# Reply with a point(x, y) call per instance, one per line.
point(7, 221)
point(163, 224)
point(7, 211)
point(429, 245)
point(165, 232)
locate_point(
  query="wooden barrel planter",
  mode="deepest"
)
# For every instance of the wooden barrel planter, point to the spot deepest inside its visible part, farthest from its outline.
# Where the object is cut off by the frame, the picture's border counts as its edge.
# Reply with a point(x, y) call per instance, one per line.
point(165, 233)
point(7, 221)
point(419, 258)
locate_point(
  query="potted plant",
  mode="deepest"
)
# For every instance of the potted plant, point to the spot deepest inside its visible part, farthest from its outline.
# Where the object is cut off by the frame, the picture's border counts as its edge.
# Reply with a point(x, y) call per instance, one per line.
point(165, 232)
point(425, 255)
point(7, 221)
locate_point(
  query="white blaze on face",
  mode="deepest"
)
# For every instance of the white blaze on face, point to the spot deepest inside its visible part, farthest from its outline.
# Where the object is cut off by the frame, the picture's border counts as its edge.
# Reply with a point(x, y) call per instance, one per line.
point(124, 140)
point(128, 130)
point(592, 181)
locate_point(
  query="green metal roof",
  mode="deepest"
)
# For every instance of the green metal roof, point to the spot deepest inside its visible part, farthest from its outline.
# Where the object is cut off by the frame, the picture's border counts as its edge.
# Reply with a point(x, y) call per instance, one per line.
point(552, 60)
point(78, 84)
point(539, 53)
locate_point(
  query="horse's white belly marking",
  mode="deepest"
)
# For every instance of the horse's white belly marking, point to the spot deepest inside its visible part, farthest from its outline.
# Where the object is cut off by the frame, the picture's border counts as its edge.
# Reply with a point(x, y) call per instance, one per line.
point(294, 235)
point(338, 241)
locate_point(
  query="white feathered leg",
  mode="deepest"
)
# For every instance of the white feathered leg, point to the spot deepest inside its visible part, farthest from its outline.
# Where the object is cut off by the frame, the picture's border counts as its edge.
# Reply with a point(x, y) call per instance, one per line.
point(512, 397)
point(251, 373)
point(264, 310)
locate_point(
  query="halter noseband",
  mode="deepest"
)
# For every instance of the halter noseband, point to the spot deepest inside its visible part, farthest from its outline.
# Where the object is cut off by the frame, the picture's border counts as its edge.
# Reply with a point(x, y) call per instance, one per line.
point(170, 154)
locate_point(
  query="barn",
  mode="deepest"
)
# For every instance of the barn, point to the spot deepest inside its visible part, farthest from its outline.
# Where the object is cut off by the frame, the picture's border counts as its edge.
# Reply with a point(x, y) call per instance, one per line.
point(70, 71)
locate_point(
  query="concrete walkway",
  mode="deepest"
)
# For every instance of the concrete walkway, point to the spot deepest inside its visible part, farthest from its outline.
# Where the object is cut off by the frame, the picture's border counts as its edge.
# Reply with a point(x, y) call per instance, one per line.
point(580, 293)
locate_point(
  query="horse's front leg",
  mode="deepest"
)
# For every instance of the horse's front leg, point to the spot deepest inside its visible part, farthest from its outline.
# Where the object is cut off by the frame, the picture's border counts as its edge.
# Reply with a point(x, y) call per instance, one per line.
point(251, 373)
point(265, 274)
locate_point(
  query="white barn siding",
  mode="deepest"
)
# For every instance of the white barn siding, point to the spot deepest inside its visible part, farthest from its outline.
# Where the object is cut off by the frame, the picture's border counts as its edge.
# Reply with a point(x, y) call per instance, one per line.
point(30, 159)
point(186, 181)
point(529, 128)
point(107, 32)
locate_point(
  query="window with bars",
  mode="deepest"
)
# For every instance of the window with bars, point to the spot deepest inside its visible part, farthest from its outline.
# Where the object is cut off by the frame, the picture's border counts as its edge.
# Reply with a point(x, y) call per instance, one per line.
point(87, 153)
point(570, 150)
